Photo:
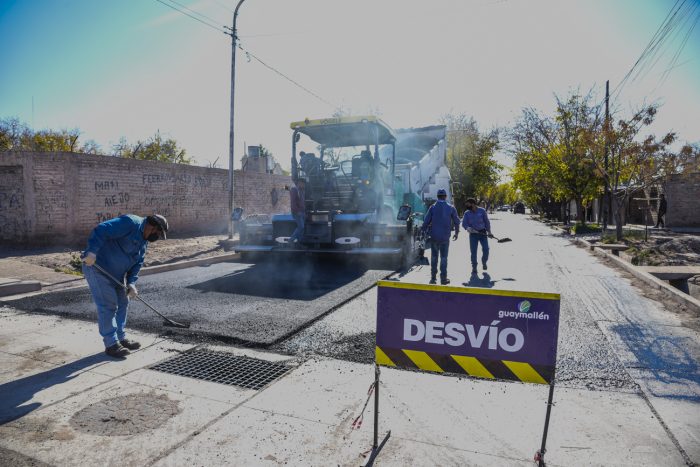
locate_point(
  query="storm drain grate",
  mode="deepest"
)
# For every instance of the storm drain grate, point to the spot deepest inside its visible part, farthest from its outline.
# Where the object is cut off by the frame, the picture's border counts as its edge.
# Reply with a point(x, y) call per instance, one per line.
point(224, 368)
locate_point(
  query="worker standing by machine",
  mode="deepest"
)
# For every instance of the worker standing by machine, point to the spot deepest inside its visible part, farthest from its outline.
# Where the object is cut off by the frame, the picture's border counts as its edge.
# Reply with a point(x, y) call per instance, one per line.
point(440, 220)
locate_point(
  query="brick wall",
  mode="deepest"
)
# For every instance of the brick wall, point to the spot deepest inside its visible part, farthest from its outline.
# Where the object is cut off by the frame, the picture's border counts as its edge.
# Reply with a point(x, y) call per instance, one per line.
point(683, 197)
point(57, 198)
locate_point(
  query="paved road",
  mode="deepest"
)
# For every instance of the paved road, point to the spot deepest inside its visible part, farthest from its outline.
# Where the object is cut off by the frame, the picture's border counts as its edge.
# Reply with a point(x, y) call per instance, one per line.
point(244, 303)
point(611, 337)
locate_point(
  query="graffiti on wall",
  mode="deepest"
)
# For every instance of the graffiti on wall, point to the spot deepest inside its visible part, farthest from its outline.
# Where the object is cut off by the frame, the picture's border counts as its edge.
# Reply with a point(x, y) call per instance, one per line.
point(13, 222)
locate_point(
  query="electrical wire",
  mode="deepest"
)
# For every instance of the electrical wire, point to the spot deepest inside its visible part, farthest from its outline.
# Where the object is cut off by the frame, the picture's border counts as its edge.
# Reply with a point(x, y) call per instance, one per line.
point(652, 53)
point(218, 28)
point(250, 54)
point(676, 56)
point(294, 82)
point(202, 15)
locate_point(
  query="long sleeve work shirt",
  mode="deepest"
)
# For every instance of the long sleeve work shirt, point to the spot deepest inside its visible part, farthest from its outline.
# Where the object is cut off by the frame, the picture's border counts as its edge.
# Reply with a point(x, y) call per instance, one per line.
point(119, 246)
point(440, 220)
point(478, 220)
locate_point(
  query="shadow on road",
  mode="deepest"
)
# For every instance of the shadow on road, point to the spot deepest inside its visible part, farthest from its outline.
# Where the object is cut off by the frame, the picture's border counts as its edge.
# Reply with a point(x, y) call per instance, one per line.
point(15, 393)
point(286, 278)
point(668, 358)
point(476, 281)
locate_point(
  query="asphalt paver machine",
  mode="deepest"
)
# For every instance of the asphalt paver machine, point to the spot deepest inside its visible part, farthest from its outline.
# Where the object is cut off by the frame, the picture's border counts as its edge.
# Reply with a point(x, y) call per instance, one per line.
point(355, 204)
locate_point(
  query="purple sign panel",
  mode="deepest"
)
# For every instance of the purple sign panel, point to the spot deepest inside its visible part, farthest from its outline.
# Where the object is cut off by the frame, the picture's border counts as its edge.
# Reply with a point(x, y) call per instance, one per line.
point(481, 332)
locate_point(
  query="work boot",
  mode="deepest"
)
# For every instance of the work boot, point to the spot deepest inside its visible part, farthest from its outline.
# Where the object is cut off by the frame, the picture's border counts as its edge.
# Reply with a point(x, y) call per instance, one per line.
point(474, 271)
point(433, 280)
point(117, 351)
point(444, 280)
point(129, 344)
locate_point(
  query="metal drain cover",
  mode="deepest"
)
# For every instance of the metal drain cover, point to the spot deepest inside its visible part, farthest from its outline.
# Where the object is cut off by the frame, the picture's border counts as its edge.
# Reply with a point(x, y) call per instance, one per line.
point(224, 368)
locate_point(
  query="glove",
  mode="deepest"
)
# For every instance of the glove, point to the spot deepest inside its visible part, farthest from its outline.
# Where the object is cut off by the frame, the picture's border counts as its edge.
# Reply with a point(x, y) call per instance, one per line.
point(454, 237)
point(90, 259)
point(131, 291)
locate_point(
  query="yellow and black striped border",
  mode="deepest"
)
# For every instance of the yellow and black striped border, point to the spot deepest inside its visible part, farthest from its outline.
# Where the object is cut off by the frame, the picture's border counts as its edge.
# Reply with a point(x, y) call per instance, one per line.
point(460, 364)
point(468, 290)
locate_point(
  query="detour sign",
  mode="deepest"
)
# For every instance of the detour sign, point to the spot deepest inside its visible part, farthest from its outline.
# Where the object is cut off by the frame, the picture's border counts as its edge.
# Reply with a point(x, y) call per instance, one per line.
point(486, 333)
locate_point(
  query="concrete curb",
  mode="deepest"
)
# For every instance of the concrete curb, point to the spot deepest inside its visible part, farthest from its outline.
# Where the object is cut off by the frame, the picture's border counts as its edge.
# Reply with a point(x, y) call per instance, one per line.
point(14, 287)
point(188, 264)
point(674, 294)
point(144, 272)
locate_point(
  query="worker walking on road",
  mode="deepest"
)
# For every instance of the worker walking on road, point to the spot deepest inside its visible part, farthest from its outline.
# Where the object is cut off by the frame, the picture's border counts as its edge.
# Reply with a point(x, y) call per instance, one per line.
point(476, 222)
point(298, 198)
point(118, 246)
point(439, 222)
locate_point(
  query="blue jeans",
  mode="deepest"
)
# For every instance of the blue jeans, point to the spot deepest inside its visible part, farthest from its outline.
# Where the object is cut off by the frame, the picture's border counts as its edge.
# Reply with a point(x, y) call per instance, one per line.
point(474, 240)
point(299, 231)
point(441, 248)
point(112, 305)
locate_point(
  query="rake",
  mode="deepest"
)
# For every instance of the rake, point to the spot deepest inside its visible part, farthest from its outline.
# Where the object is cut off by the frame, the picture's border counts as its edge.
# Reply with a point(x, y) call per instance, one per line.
point(167, 321)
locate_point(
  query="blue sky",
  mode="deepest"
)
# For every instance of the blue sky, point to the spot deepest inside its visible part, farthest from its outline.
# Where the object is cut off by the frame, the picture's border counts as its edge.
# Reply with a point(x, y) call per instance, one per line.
point(131, 67)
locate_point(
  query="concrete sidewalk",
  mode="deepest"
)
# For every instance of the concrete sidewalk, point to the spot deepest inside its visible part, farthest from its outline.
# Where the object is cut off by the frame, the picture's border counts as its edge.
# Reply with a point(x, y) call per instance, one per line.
point(55, 388)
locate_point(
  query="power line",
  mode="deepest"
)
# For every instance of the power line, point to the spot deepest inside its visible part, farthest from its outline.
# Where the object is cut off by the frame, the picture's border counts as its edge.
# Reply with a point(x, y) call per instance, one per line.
point(202, 15)
point(218, 28)
point(652, 52)
point(676, 56)
point(297, 84)
point(224, 6)
point(249, 53)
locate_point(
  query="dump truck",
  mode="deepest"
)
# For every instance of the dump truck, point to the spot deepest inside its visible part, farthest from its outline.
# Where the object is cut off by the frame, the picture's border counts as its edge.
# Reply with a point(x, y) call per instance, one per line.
point(365, 190)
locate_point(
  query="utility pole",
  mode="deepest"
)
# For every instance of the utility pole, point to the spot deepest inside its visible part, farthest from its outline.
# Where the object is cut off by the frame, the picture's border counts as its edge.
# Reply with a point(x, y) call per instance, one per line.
point(234, 39)
point(606, 196)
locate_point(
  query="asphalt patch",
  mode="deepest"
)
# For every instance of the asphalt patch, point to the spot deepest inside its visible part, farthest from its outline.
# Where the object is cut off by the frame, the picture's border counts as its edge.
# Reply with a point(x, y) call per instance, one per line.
point(251, 304)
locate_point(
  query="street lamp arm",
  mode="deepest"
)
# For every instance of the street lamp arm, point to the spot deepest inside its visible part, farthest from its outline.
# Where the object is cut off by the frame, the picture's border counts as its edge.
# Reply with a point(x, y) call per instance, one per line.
point(235, 16)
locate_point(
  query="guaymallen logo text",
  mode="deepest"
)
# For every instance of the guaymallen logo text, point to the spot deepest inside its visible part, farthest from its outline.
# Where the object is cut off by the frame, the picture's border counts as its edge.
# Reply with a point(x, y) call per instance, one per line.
point(523, 312)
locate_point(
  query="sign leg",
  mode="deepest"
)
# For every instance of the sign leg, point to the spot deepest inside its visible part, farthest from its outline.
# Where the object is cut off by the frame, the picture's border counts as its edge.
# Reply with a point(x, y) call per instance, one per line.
point(376, 446)
point(540, 454)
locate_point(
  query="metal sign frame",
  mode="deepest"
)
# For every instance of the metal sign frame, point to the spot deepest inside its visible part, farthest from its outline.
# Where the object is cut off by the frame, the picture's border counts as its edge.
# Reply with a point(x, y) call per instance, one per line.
point(484, 333)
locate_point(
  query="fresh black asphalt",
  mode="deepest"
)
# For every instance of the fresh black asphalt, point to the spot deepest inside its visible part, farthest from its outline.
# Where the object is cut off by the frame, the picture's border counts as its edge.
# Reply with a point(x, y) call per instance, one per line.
point(254, 304)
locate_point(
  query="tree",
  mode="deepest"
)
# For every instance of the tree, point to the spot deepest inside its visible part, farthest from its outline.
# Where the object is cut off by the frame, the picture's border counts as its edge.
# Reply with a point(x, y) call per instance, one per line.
point(264, 151)
point(557, 157)
point(154, 148)
point(471, 158)
point(503, 193)
point(637, 164)
point(16, 135)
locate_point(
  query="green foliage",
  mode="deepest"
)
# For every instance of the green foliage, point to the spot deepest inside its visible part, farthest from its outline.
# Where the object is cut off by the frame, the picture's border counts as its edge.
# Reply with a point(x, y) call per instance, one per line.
point(76, 262)
point(154, 148)
point(586, 228)
point(643, 257)
point(556, 158)
point(16, 135)
point(503, 193)
point(264, 151)
point(76, 266)
point(471, 158)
